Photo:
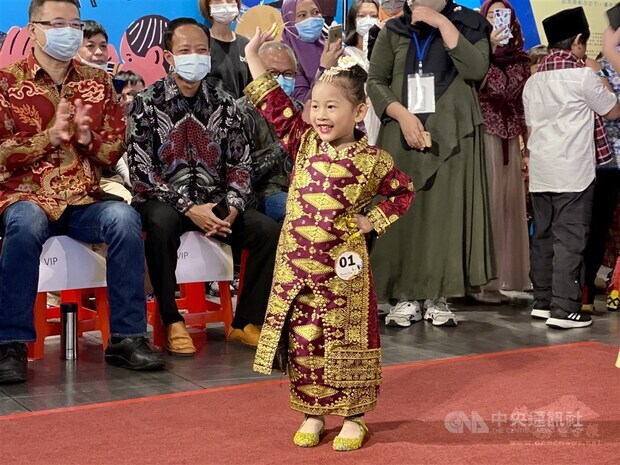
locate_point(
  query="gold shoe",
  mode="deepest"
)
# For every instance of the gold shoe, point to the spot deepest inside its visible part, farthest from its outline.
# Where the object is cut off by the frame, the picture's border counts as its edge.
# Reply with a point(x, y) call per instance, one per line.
point(178, 341)
point(248, 335)
point(345, 444)
point(613, 300)
point(308, 439)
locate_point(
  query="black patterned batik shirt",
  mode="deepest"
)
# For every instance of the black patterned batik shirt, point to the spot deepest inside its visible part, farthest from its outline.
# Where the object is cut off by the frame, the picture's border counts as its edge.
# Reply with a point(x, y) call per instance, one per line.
point(187, 151)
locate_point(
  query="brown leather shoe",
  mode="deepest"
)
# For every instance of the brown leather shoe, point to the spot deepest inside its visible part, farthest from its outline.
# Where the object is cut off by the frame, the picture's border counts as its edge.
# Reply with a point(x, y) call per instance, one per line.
point(248, 335)
point(178, 340)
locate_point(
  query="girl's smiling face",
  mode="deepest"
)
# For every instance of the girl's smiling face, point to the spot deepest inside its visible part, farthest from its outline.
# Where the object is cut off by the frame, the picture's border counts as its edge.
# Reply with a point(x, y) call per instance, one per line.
point(333, 116)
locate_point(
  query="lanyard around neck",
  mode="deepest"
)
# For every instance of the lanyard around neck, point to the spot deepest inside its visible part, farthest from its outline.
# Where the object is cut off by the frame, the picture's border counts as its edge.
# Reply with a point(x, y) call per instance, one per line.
point(422, 51)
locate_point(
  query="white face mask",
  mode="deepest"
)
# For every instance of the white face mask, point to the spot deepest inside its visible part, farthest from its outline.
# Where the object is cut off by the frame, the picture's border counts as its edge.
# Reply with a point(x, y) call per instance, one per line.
point(363, 25)
point(224, 13)
point(62, 43)
point(193, 67)
point(102, 67)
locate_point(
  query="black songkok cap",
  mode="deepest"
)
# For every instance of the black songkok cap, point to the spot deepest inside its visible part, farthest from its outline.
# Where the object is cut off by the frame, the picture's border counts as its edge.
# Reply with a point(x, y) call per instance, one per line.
point(565, 25)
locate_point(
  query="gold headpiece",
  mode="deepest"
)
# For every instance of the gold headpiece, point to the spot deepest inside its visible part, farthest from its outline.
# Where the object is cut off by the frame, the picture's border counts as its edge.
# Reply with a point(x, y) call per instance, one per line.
point(345, 63)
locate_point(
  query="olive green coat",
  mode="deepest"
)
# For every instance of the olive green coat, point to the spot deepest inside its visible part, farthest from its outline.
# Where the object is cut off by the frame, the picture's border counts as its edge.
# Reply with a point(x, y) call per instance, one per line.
point(443, 245)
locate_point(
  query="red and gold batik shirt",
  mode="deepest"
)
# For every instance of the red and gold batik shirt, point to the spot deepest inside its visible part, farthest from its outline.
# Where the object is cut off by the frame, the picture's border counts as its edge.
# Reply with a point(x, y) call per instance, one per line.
point(30, 167)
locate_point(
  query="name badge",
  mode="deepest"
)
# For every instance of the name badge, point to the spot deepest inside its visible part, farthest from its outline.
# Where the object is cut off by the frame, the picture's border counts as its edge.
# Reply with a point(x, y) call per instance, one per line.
point(349, 265)
point(421, 93)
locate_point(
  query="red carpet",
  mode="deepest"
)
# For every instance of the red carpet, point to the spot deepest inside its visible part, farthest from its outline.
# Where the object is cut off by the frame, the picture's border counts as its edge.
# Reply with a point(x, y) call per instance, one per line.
point(554, 405)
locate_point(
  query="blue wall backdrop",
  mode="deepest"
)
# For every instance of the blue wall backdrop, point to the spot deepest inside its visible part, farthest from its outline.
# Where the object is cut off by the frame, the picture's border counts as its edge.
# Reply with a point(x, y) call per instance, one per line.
point(116, 15)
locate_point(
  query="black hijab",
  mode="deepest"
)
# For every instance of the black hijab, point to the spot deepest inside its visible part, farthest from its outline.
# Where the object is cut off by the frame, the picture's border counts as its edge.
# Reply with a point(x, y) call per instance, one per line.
point(469, 23)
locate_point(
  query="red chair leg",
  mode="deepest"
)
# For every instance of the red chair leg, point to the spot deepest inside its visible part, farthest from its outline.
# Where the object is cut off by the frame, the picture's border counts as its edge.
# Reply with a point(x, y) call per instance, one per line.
point(226, 304)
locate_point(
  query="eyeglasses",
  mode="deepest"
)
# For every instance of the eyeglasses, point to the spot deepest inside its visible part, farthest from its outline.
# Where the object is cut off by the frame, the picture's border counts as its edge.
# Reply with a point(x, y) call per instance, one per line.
point(60, 23)
point(276, 74)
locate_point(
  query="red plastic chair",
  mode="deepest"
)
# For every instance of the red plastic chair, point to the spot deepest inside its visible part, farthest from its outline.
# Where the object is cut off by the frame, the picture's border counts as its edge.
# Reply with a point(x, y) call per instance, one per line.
point(47, 320)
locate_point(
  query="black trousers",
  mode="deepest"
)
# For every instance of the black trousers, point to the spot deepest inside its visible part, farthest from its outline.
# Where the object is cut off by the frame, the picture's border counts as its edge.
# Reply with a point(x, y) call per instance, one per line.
point(606, 193)
point(561, 228)
point(252, 231)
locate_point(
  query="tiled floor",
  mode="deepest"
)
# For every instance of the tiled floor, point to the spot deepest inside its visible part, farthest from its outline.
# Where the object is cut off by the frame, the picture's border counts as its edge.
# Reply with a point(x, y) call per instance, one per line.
point(54, 383)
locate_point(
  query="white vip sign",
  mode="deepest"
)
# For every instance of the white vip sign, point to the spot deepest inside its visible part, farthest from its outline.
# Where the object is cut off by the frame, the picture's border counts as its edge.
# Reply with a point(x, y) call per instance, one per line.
point(69, 264)
point(201, 259)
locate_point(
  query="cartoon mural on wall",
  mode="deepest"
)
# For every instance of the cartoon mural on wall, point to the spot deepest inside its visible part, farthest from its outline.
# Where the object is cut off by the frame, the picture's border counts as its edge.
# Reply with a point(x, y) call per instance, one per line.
point(135, 27)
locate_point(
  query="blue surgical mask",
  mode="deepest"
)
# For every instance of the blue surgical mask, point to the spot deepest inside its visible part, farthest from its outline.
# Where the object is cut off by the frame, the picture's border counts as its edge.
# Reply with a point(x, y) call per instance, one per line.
point(287, 84)
point(62, 43)
point(310, 29)
point(193, 67)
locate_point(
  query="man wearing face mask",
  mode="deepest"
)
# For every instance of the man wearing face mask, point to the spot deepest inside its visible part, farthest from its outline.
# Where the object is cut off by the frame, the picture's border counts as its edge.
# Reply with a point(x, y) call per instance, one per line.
point(271, 164)
point(61, 125)
point(94, 52)
point(229, 68)
point(190, 169)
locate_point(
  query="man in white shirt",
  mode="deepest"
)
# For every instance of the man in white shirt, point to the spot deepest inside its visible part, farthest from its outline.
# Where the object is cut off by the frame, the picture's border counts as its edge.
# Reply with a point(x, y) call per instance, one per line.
point(566, 140)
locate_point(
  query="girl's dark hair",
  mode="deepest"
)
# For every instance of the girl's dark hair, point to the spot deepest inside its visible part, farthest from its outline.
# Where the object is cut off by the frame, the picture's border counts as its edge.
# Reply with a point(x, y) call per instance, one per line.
point(350, 36)
point(352, 82)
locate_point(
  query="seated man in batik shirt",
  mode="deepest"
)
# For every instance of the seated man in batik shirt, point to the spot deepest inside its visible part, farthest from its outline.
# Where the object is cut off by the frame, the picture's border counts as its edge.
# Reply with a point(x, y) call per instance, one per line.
point(190, 169)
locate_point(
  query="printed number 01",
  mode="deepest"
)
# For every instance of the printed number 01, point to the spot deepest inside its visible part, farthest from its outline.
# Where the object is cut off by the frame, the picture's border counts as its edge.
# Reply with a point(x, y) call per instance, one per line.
point(343, 262)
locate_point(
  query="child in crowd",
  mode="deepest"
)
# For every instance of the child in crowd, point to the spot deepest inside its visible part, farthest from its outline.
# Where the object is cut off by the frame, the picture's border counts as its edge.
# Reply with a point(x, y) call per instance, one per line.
point(323, 305)
point(536, 54)
point(563, 95)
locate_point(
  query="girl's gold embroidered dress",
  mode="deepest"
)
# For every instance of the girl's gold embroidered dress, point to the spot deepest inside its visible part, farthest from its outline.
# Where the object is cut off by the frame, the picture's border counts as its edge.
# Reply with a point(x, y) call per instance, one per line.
point(334, 353)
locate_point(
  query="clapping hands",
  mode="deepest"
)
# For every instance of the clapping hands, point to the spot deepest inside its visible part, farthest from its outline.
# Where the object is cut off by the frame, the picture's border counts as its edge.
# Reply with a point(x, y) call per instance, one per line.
point(60, 132)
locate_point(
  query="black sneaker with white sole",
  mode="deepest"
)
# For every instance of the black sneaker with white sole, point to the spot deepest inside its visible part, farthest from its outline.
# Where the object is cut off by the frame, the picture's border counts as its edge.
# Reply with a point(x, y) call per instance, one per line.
point(563, 320)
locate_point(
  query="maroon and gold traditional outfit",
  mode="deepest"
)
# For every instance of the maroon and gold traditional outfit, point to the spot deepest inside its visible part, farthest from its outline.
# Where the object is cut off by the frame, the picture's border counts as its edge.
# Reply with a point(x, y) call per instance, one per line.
point(334, 353)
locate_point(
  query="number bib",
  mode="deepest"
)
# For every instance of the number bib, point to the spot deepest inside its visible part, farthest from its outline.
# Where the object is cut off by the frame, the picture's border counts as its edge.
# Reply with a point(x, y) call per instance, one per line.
point(349, 265)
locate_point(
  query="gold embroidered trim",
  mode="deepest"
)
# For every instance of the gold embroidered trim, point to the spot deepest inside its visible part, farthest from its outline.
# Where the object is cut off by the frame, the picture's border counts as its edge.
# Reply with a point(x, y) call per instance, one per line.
point(316, 391)
point(353, 368)
point(259, 87)
point(308, 332)
point(379, 220)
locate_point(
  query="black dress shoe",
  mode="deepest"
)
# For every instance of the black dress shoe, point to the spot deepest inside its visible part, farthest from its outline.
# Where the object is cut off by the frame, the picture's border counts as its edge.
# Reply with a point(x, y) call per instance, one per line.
point(134, 353)
point(13, 362)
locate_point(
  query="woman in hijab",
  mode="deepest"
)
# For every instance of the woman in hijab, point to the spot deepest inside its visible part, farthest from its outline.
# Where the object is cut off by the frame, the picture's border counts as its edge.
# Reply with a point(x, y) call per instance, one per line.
point(303, 25)
point(504, 121)
point(363, 15)
point(442, 247)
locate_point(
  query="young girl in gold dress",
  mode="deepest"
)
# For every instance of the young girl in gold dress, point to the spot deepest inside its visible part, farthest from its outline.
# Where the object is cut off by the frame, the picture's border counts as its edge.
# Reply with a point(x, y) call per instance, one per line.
point(321, 320)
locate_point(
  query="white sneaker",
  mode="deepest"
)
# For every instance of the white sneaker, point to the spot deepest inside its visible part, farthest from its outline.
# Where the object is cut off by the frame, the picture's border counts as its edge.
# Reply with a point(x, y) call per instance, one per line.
point(541, 313)
point(438, 312)
point(403, 313)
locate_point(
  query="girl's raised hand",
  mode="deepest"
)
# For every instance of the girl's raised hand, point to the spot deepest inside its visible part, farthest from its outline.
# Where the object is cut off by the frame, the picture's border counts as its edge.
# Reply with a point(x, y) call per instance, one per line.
point(260, 38)
point(257, 68)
